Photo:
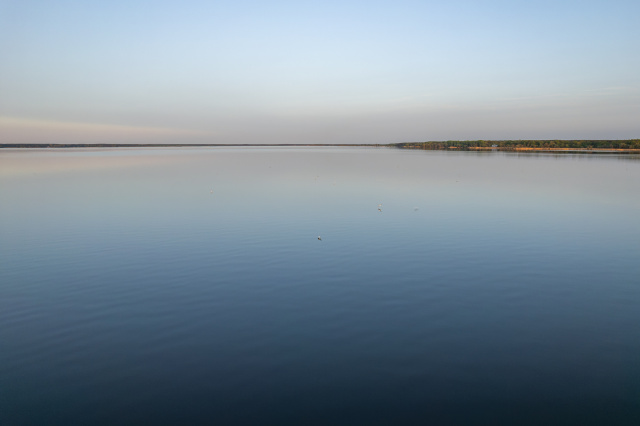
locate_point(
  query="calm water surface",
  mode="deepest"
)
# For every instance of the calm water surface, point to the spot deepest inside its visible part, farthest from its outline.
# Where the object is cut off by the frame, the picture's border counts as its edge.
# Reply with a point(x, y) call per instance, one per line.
point(167, 286)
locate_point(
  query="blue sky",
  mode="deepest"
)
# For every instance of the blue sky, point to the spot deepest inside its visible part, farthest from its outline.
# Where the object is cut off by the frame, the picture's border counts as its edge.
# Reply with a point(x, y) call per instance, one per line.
point(318, 71)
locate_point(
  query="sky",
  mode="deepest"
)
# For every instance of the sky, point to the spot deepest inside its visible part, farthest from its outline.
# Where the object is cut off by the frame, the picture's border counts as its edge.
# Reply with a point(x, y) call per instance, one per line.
point(346, 71)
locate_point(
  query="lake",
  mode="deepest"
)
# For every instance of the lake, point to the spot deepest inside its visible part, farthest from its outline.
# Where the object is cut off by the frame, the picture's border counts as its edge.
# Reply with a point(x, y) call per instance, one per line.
point(318, 286)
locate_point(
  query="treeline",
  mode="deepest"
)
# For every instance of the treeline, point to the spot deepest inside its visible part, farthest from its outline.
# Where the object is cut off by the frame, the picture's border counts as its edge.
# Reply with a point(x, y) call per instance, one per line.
point(515, 144)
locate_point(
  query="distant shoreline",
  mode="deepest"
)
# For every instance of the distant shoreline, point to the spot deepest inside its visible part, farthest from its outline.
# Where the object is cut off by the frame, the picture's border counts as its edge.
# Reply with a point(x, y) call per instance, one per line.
point(558, 145)
point(548, 145)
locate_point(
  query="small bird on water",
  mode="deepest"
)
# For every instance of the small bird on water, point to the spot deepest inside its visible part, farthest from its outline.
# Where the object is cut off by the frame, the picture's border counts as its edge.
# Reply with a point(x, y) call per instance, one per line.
point(319, 238)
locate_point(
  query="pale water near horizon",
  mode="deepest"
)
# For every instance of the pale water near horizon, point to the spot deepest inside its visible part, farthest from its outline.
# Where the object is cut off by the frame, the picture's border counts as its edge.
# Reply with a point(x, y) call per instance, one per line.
point(190, 286)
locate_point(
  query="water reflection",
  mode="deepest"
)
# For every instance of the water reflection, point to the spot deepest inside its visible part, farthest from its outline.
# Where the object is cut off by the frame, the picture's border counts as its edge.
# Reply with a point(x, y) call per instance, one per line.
point(331, 285)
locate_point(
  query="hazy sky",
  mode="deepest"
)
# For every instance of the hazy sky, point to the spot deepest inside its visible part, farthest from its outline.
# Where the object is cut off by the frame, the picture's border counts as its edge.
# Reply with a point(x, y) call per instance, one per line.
point(318, 71)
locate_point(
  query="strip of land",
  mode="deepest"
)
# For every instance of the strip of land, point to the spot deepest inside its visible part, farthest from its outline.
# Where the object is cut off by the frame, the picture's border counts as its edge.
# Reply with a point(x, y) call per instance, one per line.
point(617, 145)
point(627, 145)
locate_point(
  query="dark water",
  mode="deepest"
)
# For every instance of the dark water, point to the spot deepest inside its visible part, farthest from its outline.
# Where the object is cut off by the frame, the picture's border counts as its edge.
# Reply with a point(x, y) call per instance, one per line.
point(190, 287)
